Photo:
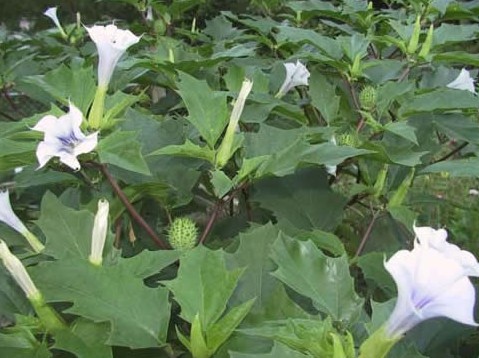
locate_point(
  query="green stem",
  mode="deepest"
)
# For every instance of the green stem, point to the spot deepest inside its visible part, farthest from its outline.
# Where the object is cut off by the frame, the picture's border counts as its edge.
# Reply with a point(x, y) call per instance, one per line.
point(50, 319)
point(36, 245)
point(95, 118)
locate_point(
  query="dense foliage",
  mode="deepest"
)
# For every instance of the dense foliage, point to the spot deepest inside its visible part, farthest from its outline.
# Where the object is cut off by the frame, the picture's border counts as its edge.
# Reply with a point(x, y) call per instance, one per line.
point(236, 232)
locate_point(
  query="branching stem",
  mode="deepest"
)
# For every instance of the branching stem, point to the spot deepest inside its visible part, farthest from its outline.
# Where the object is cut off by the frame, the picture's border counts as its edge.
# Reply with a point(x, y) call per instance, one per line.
point(130, 208)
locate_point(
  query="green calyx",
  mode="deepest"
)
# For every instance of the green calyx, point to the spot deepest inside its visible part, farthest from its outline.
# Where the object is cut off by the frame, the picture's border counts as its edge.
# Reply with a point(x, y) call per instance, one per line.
point(183, 233)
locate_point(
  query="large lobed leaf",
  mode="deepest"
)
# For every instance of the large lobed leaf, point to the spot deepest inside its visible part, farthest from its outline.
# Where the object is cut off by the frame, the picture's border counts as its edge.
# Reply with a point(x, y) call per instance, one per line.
point(203, 285)
point(325, 280)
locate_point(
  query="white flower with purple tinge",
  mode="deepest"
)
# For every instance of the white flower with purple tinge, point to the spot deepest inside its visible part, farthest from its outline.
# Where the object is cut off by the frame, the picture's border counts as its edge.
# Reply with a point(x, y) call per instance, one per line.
point(432, 281)
point(111, 42)
point(8, 216)
point(463, 82)
point(296, 75)
point(64, 139)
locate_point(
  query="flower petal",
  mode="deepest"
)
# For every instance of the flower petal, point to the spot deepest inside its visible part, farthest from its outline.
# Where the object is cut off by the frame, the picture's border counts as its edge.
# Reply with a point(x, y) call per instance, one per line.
point(45, 152)
point(463, 82)
point(8, 216)
point(70, 160)
point(87, 144)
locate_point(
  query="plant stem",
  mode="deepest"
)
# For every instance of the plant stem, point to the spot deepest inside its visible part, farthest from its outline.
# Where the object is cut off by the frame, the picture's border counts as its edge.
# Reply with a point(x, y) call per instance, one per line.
point(366, 234)
point(217, 208)
point(211, 221)
point(451, 153)
point(129, 207)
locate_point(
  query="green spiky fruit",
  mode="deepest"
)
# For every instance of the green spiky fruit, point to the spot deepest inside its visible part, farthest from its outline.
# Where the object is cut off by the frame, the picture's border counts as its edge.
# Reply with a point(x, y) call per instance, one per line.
point(368, 98)
point(182, 234)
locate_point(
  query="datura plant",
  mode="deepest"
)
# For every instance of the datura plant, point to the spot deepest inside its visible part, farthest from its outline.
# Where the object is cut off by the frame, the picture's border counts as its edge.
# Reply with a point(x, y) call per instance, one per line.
point(273, 179)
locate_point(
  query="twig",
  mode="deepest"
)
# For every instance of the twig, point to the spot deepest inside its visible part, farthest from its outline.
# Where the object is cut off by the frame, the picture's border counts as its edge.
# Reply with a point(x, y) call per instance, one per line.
point(357, 105)
point(211, 221)
point(118, 226)
point(9, 99)
point(451, 153)
point(249, 214)
point(366, 234)
point(9, 117)
point(404, 74)
point(129, 207)
point(217, 208)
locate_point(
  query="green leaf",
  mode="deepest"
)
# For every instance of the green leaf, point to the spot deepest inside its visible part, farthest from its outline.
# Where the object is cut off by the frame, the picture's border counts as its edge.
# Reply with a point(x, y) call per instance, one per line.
point(454, 33)
point(324, 240)
point(222, 330)
point(389, 92)
point(22, 344)
point(440, 100)
point(454, 57)
point(325, 280)
point(323, 96)
point(85, 339)
point(304, 200)
point(272, 302)
point(331, 154)
point(138, 317)
point(372, 266)
point(199, 349)
point(64, 84)
point(312, 337)
point(67, 231)
point(117, 103)
point(457, 126)
point(279, 351)
point(249, 167)
point(402, 129)
point(196, 287)
point(221, 183)
point(123, 150)
point(188, 149)
point(12, 298)
point(329, 47)
point(456, 168)
point(207, 109)
point(29, 177)
point(15, 153)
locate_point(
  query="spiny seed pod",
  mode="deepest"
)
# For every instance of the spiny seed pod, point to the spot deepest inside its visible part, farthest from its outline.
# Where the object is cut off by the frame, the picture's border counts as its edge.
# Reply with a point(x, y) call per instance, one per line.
point(349, 139)
point(368, 98)
point(182, 234)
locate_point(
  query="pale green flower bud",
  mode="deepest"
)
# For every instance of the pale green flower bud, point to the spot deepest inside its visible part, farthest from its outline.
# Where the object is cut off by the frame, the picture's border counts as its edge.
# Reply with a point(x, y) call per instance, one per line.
point(100, 230)
point(17, 270)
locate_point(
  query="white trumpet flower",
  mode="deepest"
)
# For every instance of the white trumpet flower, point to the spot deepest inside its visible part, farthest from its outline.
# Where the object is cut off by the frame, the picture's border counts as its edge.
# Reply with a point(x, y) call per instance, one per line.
point(64, 139)
point(432, 281)
point(100, 230)
point(8, 217)
point(51, 12)
point(296, 75)
point(111, 42)
point(463, 82)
